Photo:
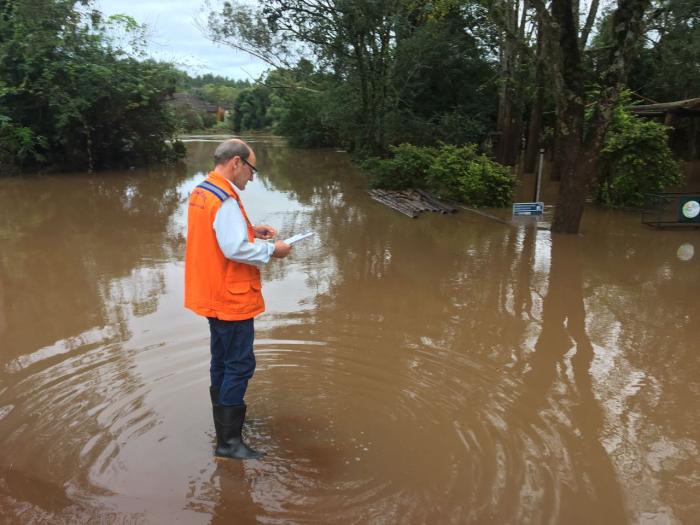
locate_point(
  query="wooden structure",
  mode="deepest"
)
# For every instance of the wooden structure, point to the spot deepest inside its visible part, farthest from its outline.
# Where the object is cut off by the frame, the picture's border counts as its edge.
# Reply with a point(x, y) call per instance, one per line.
point(411, 202)
point(669, 110)
point(185, 99)
point(682, 116)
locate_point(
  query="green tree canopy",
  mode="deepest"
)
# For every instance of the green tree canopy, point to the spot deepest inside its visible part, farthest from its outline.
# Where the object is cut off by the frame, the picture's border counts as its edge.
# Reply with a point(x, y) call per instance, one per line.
point(70, 98)
point(385, 72)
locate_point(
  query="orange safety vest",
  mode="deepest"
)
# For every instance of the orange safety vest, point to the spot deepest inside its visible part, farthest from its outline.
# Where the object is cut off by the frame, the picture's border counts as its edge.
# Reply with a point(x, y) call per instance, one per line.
point(214, 285)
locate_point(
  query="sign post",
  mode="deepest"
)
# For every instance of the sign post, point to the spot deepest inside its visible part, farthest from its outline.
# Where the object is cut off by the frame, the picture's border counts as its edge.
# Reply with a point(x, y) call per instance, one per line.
point(538, 181)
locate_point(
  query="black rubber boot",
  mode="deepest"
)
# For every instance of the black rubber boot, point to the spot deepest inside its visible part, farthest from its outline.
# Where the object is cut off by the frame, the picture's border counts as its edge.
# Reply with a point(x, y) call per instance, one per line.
point(228, 422)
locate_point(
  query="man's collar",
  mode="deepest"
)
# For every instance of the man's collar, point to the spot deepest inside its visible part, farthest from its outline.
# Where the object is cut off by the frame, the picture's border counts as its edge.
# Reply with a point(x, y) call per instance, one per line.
point(230, 184)
point(215, 176)
point(218, 175)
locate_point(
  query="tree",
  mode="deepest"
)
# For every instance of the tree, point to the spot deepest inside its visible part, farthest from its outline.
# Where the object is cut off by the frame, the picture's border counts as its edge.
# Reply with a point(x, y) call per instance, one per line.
point(537, 109)
point(444, 80)
point(308, 117)
point(70, 99)
point(666, 66)
point(636, 159)
point(351, 37)
point(392, 71)
point(250, 109)
point(514, 52)
point(581, 144)
point(218, 94)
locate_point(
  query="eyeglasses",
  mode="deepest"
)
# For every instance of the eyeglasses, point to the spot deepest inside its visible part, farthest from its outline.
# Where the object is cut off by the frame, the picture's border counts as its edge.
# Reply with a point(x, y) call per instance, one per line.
point(255, 170)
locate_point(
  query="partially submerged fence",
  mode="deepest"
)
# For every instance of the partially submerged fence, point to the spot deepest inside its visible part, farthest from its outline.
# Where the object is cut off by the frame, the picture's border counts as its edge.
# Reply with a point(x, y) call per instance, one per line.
point(663, 210)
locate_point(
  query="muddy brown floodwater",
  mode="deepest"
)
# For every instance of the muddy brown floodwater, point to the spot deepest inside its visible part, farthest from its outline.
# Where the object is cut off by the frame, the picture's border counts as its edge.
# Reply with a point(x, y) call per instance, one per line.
point(448, 369)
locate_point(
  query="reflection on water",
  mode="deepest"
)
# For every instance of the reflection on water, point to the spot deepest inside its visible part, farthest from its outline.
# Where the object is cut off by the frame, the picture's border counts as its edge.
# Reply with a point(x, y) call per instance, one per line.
point(686, 251)
point(449, 369)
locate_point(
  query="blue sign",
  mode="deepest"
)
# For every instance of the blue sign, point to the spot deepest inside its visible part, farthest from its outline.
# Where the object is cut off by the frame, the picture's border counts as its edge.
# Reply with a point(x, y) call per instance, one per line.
point(528, 208)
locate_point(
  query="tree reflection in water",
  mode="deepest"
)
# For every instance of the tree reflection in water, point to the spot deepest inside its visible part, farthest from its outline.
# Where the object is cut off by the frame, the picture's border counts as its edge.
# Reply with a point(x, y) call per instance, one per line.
point(80, 257)
point(551, 383)
point(557, 390)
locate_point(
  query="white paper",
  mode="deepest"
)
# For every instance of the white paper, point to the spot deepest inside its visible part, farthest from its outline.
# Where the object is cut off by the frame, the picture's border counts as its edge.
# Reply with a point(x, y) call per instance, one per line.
point(298, 237)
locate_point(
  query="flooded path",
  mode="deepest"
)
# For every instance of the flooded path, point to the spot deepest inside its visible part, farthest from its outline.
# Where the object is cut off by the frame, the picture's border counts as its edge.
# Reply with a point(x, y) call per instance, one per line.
point(449, 369)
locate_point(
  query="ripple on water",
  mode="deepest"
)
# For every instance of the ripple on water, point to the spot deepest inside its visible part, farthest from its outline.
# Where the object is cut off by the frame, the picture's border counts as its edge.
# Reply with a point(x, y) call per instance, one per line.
point(350, 435)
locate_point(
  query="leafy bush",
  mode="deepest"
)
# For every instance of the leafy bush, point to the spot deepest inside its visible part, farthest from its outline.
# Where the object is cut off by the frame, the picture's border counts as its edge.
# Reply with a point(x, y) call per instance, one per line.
point(188, 118)
point(223, 126)
point(18, 145)
point(636, 159)
point(459, 173)
point(208, 120)
point(408, 167)
point(452, 172)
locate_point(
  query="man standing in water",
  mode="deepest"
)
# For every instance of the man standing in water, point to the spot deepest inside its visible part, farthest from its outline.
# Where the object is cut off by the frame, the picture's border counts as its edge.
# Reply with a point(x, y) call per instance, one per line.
point(222, 283)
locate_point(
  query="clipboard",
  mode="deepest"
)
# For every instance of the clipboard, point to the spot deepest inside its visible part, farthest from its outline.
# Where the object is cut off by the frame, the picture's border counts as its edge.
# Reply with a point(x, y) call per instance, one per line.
point(298, 237)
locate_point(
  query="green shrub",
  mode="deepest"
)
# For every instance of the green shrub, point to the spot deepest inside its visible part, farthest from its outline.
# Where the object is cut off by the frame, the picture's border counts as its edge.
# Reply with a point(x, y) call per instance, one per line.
point(188, 118)
point(636, 159)
point(222, 126)
point(18, 144)
point(208, 119)
point(452, 172)
point(406, 169)
point(460, 174)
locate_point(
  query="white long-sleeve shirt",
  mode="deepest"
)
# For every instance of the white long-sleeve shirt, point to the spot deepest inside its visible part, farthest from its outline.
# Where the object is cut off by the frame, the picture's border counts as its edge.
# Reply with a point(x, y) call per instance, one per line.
point(232, 236)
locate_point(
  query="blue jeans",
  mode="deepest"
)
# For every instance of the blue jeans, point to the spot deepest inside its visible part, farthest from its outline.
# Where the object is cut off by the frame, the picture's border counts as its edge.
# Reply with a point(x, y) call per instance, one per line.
point(232, 358)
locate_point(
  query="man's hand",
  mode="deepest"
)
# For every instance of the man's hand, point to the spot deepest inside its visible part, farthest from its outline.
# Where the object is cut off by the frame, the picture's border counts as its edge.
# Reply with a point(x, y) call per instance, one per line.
point(264, 232)
point(282, 249)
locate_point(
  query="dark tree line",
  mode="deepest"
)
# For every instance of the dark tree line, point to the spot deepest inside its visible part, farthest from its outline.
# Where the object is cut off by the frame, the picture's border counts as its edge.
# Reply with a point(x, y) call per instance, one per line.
point(500, 73)
point(510, 76)
point(385, 71)
point(70, 98)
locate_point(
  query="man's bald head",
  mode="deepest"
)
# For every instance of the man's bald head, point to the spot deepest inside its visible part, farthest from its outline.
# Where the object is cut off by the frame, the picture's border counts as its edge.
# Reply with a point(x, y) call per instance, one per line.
point(229, 149)
point(235, 161)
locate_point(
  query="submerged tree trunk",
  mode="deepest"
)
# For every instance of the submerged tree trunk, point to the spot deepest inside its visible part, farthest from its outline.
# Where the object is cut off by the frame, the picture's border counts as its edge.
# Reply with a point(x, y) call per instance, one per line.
point(569, 86)
point(579, 150)
point(574, 179)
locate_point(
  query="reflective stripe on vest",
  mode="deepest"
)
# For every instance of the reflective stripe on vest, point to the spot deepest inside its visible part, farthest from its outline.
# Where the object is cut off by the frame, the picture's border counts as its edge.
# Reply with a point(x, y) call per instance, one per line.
point(216, 286)
point(221, 194)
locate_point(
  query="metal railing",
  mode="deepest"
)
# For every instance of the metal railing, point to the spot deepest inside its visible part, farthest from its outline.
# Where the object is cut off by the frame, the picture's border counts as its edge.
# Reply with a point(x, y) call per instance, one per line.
point(664, 210)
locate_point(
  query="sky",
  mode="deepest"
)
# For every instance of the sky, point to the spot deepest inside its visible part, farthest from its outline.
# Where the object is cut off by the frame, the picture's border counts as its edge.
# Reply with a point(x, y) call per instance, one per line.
point(173, 36)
